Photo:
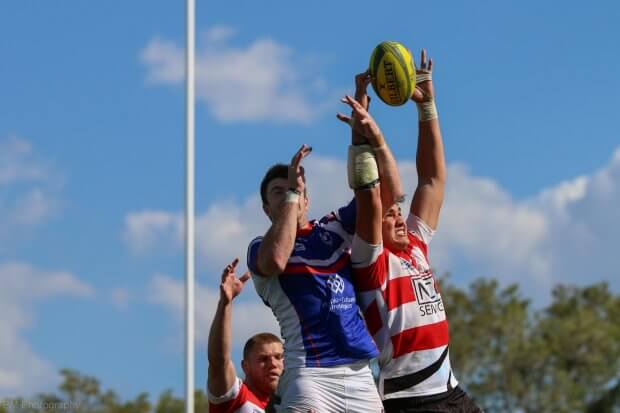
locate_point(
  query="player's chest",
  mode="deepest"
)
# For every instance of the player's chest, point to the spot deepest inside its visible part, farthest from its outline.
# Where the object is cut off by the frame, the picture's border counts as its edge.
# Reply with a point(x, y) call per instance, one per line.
point(409, 281)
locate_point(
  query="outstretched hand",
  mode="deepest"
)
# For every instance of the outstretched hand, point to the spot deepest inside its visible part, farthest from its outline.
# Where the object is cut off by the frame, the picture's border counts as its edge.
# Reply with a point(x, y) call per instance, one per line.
point(361, 122)
point(296, 178)
point(424, 91)
point(231, 286)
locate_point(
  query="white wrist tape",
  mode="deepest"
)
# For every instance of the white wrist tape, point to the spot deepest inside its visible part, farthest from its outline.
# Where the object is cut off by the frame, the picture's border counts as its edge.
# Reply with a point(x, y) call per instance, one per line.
point(427, 110)
point(362, 167)
point(291, 196)
point(423, 76)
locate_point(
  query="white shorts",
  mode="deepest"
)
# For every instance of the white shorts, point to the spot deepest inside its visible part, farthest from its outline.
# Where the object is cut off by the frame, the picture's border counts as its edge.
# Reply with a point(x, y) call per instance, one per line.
point(340, 389)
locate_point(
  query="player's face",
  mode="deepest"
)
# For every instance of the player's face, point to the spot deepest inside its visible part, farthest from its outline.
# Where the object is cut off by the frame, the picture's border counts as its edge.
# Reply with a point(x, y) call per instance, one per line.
point(276, 193)
point(394, 229)
point(264, 367)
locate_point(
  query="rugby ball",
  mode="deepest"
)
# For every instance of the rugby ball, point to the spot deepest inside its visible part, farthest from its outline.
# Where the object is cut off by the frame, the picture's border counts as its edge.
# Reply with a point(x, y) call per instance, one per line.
point(392, 73)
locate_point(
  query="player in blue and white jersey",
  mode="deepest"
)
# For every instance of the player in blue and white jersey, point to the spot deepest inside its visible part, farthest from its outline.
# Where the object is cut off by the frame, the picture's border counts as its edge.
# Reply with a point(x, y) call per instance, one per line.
point(302, 271)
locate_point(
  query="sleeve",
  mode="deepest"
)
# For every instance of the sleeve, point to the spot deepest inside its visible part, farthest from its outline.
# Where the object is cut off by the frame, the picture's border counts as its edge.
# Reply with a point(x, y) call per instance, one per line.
point(346, 215)
point(252, 257)
point(262, 284)
point(420, 234)
point(420, 228)
point(370, 264)
point(230, 395)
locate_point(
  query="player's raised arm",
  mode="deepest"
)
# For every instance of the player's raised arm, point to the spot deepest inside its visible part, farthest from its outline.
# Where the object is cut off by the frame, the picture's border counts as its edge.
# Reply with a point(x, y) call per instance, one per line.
point(430, 159)
point(222, 373)
point(391, 188)
point(286, 206)
point(363, 173)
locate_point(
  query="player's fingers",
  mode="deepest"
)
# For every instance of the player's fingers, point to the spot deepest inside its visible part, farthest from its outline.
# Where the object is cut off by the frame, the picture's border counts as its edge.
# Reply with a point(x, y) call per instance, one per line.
point(358, 110)
point(346, 101)
point(363, 75)
point(423, 59)
point(344, 118)
point(245, 277)
point(298, 155)
point(227, 270)
point(363, 79)
point(306, 151)
point(430, 65)
point(355, 105)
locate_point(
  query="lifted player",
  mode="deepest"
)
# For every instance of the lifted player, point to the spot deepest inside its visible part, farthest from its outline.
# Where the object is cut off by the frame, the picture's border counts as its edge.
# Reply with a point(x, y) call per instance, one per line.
point(396, 288)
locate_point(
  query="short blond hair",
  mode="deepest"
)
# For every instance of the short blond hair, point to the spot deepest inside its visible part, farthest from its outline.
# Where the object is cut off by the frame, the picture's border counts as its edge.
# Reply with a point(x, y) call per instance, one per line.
point(258, 339)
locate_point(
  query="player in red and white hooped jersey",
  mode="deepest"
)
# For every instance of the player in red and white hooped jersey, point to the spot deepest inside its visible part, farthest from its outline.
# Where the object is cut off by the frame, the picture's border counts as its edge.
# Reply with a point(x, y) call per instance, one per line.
point(262, 358)
point(395, 286)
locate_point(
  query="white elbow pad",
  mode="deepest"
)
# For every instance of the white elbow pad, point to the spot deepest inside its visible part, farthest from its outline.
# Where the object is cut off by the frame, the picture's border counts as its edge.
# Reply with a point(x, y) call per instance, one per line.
point(362, 168)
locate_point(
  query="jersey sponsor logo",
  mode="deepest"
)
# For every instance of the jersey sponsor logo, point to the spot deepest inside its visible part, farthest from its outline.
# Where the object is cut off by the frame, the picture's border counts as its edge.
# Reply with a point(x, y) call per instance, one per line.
point(339, 303)
point(429, 299)
point(335, 283)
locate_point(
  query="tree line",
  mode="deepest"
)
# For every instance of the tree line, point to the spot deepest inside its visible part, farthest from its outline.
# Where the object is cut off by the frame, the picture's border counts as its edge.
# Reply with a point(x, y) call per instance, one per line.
point(508, 355)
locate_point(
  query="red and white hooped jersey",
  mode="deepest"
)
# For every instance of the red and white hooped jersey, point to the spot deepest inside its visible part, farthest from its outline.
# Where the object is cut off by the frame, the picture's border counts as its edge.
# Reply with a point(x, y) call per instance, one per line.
point(405, 315)
point(239, 399)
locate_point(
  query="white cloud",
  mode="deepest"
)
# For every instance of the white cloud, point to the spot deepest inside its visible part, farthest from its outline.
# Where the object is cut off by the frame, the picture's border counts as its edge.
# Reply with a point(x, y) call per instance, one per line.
point(28, 190)
point(262, 81)
point(225, 229)
point(17, 163)
point(582, 240)
point(481, 222)
point(235, 226)
point(250, 316)
point(147, 230)
point(566, 233)
point(22, 371)
point(165, 62)
point(220, 33)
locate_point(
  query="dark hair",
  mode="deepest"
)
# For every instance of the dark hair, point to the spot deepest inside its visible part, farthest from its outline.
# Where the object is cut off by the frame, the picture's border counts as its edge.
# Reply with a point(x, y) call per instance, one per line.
point(278, 170)
point(258, 339)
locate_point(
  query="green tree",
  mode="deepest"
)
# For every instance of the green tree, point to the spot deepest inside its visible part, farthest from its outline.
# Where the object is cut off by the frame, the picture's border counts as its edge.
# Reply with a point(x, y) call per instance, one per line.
point(581, 334)
point(510, 357)
point(79, 393)
point(563, 358)
point(167, 403)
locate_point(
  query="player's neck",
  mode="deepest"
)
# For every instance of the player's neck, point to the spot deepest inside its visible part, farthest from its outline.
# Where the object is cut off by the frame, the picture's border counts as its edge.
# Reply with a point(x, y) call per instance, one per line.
point(261, 395)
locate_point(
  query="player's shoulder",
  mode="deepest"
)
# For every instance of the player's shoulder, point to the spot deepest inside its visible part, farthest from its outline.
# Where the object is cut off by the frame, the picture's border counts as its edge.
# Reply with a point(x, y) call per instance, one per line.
point(343, 216)
point(419, 229)
point(256, 240)
point(247, 395)
point(239, 399)
point(253, 246)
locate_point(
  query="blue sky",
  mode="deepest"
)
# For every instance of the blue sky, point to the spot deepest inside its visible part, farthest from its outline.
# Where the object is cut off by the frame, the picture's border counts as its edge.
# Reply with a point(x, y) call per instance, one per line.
point(92, 159)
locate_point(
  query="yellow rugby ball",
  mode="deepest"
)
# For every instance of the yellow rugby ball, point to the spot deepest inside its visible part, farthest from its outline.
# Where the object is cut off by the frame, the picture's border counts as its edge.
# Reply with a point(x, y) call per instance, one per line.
point(392, 73)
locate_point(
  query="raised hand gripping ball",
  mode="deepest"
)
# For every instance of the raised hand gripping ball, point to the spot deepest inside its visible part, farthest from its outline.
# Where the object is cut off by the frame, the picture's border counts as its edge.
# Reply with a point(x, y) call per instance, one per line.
point(392, 73)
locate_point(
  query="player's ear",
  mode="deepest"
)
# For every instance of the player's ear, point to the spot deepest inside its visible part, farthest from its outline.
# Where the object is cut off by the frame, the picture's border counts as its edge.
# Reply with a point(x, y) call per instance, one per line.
point(244, 367)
